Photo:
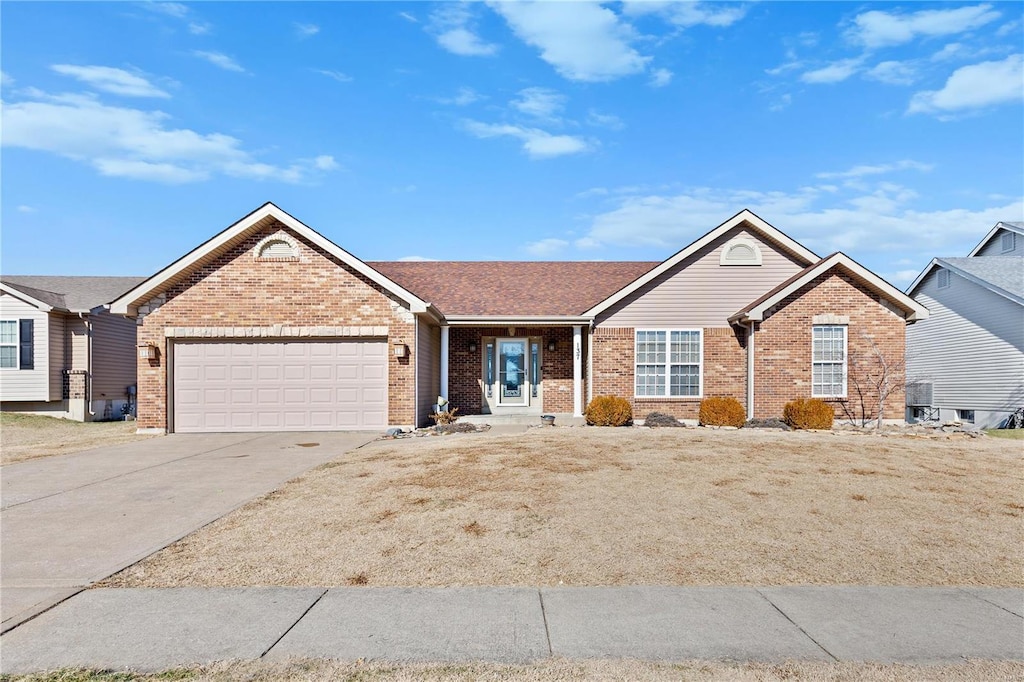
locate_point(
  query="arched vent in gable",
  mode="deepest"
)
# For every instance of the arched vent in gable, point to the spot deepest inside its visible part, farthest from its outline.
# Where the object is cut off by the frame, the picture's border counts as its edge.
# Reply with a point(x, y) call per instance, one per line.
point(277, 247)
point(741, 251)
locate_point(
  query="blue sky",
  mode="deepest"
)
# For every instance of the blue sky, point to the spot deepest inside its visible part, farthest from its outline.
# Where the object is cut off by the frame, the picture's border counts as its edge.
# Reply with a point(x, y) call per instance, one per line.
point(531, 130)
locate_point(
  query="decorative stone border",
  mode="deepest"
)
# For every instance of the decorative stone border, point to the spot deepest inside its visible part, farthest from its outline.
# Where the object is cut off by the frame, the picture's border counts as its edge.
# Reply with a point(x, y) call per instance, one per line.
point(274, 331)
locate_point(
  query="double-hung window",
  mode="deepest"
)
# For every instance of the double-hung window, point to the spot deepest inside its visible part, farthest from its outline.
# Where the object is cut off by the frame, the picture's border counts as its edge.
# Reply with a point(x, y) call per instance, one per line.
point(828, 361)
point(668, 363)
point(8, 344)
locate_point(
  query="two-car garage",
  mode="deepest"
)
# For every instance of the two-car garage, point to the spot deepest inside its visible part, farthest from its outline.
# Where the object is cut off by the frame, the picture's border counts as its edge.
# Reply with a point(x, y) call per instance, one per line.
point(279, 385)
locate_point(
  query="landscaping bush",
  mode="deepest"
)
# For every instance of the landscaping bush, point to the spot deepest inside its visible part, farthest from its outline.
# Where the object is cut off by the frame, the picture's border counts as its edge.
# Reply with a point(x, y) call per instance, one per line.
point(721, 412)
point(448, 416)
point(609, 410)
point(661, 419)
point(808, 414)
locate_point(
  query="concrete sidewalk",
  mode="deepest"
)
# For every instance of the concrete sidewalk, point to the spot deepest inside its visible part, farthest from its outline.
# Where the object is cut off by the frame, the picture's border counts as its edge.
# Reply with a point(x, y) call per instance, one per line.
point(70, 520)
point(154, 629)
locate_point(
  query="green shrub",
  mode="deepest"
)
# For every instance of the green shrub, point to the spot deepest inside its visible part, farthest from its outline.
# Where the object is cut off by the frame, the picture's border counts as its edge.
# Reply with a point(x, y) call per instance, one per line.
point(812, 413)
point(609, 410)
point(722, 412)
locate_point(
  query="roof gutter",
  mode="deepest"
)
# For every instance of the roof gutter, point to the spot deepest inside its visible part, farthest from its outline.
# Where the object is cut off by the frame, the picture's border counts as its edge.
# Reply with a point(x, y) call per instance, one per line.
point(517, 320)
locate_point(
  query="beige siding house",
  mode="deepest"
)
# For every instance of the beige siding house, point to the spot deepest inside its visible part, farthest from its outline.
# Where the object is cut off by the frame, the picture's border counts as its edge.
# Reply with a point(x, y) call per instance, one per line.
point(966, 362)
point(61, 351)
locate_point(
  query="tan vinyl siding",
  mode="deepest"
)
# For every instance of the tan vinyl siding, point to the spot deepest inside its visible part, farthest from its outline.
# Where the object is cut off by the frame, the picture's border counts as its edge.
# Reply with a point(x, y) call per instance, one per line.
point(428, 369)
point(57, 352)
point(27, 384)
point(994, 247)
point(971, 348)
point(77, 337)
point(700, 292)
point(113, 356)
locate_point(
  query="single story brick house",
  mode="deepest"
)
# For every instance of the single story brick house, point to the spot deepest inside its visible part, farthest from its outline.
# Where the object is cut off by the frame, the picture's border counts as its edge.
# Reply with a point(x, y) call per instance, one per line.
point(271, 326)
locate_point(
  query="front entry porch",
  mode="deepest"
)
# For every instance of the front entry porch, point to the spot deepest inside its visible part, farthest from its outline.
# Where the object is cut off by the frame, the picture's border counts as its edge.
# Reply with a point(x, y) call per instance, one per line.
point(518, 371)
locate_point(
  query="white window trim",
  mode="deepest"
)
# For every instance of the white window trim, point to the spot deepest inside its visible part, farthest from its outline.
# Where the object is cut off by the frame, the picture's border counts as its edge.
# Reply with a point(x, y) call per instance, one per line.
point(16, 344)
point(279, 236)
point(1003, 240)
point(668, 365)
point(961, 418)
point(942, 279)
point(846, 362)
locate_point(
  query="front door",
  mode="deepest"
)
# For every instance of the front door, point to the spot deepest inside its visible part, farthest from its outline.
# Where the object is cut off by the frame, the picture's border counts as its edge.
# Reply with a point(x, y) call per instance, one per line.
point(513, 372)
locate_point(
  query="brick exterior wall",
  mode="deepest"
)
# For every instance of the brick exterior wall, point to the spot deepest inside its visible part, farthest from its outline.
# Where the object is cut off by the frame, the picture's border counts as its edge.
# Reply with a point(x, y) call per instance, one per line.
point(725, 370)
point(782, 345)
point(236, 290)
point(465, 374)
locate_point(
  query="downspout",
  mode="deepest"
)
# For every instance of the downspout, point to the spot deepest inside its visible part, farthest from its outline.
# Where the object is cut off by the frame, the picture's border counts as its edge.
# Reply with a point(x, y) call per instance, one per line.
point(88, 364)
point(590, 363)
point(750, 370)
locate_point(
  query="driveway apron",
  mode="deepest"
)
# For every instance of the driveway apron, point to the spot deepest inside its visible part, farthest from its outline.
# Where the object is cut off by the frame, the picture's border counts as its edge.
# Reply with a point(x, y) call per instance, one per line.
point(70, 520)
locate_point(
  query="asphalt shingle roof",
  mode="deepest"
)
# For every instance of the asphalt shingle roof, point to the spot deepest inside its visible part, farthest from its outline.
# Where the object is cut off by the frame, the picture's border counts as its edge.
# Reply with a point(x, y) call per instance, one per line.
point(77, 294)
point(525, 288)
point(1005, 272)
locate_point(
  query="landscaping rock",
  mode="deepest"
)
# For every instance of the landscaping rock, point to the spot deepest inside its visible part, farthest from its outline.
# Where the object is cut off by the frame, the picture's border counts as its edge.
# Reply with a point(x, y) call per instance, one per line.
point(658, 419)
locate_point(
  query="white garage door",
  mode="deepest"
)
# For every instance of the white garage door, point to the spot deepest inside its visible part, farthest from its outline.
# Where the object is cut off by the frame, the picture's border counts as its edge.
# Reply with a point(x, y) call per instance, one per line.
point(287, 386)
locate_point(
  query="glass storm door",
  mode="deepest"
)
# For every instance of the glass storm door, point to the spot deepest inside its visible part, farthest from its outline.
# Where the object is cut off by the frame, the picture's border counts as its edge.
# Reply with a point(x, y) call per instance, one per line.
point(513, 377)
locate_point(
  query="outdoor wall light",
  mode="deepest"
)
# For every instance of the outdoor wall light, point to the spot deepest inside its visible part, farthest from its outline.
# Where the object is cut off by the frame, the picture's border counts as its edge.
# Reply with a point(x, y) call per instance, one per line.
point(551, 345)
point(401, 350)
point(472, 346)
point(147, 351)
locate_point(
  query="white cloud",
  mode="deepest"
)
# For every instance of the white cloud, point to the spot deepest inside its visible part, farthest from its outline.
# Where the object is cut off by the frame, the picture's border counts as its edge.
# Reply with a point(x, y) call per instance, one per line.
point(132, 143)
point(109, 79)
point(306, 30)
point(199, 28)
point(901, 276)
point(950, 51)
point(26, 209)
point(974, 87)
point(541, 103)
point(454, 29)
point(219, 59)
point(1009, 28)
point(689, 13)
point(538, 144)
point(464, 97)
point(881, 221)
point(6, 79)
point(660, 78)
point(408, 17)
point(546, 247)
point(835, 72)
point(892, 73)
point(864, 170)
point(583, 41)
point(171, 9)
point(782, 103)
point(599, 120)
point(416, 259)
point(878, 28)
point(334, 75)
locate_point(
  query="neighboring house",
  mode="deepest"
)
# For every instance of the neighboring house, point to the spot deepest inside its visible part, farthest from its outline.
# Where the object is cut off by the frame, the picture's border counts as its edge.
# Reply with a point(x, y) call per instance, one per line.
point(271, 326)
point(966, 363)
point(61, 351)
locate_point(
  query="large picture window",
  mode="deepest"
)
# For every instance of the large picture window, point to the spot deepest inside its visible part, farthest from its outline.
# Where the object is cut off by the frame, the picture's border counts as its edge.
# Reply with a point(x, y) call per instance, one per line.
point(668, 363)
point(828, 361)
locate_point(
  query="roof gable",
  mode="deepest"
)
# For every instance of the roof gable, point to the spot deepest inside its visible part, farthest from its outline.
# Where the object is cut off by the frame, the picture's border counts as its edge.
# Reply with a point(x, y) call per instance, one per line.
point(1017, 228)
point(999, 274)
point(257, 220)
point(747, 217)
point(757, 309)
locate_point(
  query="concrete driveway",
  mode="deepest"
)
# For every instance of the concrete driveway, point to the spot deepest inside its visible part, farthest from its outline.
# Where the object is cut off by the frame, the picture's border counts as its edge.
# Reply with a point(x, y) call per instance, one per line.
point(71, 520)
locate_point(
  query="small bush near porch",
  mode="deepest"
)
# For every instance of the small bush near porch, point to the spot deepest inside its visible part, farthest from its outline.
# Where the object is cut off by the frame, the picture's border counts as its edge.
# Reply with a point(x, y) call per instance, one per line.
point(587, 506)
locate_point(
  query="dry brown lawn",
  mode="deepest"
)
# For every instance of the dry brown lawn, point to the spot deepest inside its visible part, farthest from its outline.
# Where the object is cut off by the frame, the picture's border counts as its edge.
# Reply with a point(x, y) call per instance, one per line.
point(591, 506)
point(27, 436)
point(556, 670)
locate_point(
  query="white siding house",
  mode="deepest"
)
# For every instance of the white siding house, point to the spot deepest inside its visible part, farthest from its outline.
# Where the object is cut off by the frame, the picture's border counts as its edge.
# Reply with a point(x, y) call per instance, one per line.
point(966, 361)
point(61, 351)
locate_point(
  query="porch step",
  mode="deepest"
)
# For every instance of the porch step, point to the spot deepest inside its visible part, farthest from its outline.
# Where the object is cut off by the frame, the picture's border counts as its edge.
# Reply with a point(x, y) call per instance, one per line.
point(561, 419)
